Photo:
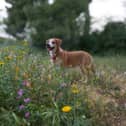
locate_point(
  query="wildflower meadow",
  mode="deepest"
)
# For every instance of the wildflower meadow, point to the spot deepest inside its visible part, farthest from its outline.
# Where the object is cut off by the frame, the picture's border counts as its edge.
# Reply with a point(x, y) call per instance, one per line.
point(33, 93)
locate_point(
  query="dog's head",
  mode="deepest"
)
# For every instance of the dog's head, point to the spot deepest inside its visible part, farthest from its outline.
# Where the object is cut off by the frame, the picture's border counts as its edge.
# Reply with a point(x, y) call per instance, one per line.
point(53, 44)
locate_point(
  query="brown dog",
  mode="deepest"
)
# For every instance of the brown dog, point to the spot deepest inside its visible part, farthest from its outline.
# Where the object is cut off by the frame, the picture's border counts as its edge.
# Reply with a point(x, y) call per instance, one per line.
point(69, 58)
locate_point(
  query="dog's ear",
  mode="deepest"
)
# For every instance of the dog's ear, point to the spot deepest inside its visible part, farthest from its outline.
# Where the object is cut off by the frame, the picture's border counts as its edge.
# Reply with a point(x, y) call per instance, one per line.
point(58, 41)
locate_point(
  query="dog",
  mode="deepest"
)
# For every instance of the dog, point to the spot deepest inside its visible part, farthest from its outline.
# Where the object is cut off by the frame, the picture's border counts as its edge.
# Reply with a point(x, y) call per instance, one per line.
point(58, 56)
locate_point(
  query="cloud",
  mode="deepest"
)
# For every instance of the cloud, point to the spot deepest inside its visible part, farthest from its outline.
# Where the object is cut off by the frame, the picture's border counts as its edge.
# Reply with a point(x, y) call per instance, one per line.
point(101, 11)
point(3, 14)
point(104, 10)
point(3, 11)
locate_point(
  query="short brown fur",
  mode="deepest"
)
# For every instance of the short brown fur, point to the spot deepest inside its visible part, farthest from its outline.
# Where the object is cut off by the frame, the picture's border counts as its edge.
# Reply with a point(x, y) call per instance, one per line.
point(73, 58)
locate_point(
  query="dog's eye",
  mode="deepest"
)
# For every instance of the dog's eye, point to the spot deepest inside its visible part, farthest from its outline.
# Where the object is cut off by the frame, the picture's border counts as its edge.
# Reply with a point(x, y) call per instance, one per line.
point(53, 42)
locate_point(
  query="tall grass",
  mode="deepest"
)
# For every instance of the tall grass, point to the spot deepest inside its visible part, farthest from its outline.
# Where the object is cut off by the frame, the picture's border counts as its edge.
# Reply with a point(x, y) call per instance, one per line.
point(36, 94)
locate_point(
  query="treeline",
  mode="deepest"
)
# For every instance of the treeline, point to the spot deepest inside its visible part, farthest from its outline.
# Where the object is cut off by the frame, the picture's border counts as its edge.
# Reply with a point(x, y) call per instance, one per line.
point(37, 20)
point(111, 40)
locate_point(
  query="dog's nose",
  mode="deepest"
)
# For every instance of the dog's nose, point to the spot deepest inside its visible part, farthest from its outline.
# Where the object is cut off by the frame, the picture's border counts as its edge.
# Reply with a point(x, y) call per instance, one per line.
point(47, 45)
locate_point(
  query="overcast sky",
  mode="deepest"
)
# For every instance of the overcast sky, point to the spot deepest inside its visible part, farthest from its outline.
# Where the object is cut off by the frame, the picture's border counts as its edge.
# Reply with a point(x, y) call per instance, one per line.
point(100, 10)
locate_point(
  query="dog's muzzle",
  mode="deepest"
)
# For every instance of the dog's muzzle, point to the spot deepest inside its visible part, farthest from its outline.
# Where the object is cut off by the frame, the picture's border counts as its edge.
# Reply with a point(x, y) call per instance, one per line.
point(49, 47)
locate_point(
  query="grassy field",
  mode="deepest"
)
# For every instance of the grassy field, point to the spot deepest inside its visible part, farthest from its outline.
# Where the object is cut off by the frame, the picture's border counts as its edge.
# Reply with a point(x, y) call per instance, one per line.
point(32, 93)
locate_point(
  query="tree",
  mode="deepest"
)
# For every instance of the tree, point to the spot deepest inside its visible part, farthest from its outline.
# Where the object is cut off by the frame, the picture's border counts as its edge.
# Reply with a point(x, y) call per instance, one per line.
point(87, 17)
point(55, 20)
point(64, 14)
point(111, 39)
point(16, 18)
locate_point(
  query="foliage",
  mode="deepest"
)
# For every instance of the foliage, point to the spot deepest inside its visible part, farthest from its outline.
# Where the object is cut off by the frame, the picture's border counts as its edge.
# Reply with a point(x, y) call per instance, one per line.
point(112, 39)
point(38, 20)
point(34, 93)
point(30, 95)
point(16, 17)
point(44, 20)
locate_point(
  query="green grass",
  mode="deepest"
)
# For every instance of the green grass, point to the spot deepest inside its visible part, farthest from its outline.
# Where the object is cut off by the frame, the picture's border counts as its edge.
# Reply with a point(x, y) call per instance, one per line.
point(99, 102)
point(117, 62)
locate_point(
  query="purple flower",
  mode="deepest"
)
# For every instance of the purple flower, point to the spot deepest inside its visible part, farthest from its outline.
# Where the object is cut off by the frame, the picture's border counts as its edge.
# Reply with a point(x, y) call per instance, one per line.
point(21, 107)
point(27, 114)
point(20, 92)
point(26, 100)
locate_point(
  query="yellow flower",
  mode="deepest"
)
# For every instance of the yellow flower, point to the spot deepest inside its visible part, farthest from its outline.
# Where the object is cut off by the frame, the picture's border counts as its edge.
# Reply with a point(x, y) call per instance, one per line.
point(8, 57)
point(66, 108)
point(49, 77)
point(16, 72)
point(74, 89)
point(17, 69)
point(2, 63)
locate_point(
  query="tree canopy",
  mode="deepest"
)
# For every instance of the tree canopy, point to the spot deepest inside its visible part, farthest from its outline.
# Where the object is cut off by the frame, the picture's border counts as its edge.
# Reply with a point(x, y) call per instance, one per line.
point(66, 19)
point(47, 20)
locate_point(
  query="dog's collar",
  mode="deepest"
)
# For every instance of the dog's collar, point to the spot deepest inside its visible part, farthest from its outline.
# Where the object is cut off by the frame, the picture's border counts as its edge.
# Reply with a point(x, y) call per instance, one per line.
point(53, 57)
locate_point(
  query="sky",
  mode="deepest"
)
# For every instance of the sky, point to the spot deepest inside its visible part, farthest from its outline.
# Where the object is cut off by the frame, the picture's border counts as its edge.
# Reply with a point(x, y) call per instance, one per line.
point(103, 10)
point(3, 14)
point(100, 11)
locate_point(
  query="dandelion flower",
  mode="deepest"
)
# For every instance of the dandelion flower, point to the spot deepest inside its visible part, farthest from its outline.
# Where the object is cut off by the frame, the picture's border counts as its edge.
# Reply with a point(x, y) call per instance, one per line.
point(2, 63)
point(66, 108)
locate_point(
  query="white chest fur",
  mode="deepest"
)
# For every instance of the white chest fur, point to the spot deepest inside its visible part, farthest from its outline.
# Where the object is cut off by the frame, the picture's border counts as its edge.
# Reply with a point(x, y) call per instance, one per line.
point(51, 54)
